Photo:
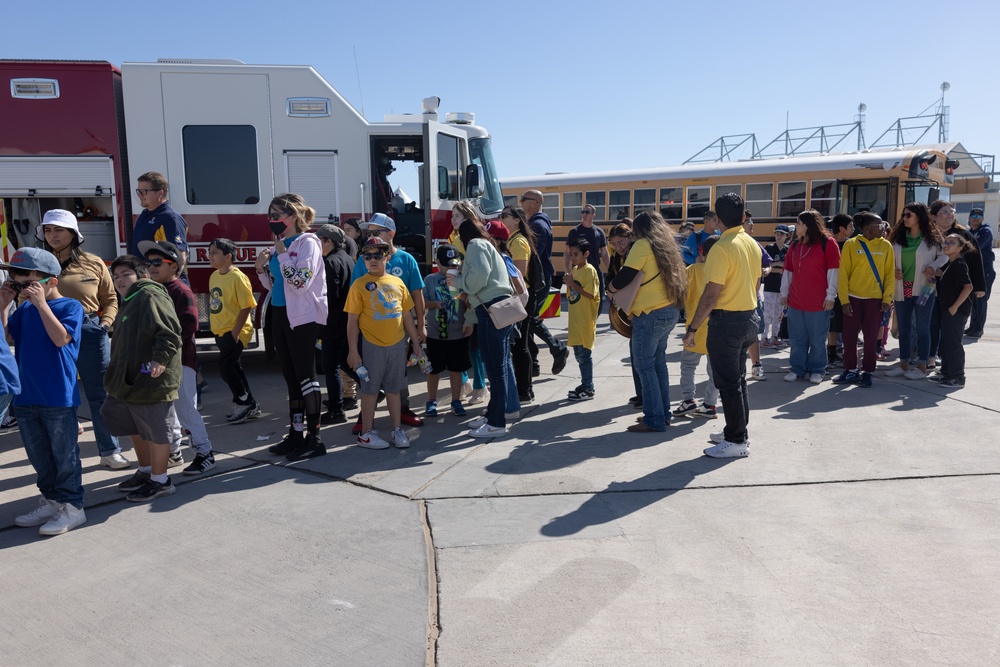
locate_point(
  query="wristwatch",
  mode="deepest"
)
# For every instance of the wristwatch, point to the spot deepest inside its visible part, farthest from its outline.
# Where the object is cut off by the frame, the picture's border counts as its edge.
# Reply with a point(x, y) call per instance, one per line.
point(692, 329)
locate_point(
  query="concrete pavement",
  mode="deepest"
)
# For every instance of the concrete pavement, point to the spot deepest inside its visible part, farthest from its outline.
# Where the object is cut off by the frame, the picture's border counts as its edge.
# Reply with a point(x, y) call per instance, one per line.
point(861, 530)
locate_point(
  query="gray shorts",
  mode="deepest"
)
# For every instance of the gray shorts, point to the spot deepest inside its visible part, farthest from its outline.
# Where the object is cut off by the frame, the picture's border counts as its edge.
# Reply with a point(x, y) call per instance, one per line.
point(149, 422)
point(386, 367)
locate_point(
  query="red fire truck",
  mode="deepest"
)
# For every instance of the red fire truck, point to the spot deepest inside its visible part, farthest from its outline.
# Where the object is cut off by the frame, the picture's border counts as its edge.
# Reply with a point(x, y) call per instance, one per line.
point(228, 136)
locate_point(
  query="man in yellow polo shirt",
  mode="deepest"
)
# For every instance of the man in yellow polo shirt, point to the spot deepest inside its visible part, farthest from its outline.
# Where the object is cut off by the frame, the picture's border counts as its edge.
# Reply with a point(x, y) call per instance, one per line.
point(732, 272)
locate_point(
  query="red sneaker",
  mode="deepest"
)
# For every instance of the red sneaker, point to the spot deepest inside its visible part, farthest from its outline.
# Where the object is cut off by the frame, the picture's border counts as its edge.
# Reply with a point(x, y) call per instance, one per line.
point(408, 417)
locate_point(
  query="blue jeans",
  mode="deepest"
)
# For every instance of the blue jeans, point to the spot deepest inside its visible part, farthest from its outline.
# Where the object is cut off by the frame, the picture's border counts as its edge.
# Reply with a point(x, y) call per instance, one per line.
point(904, 322)
point(635, 373)
point(650, 332)
point(495, 350)
point(807, 332)
point(585, 359)
point(95, 355)
point(49, 436)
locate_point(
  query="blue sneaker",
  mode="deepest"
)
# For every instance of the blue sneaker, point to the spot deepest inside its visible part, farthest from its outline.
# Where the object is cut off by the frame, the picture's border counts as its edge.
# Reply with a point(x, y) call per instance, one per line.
point(457, 408)
point(431, 409)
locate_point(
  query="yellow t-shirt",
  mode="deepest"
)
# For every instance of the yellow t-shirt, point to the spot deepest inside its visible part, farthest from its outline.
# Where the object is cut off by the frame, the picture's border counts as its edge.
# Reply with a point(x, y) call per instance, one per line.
point(454, 239)
point(380, 303)
point(734, 263)
point(653, 293)
point(696, 287)
point(583, 311)
point(228, 294)
point(519, 248)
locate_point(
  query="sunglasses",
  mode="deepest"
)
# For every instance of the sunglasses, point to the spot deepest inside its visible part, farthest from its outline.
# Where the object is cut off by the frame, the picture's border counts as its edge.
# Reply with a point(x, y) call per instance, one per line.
point(589, 212)
point(975, 217)
point(373, 256)
point(907, 215)
point(158, 261)
point(374, 232)
point(524, 199)
point(948, 243)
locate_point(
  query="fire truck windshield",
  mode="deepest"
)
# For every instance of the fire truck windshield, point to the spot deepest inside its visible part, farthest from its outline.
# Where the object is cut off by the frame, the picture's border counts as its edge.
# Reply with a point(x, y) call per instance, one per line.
point(481, 153)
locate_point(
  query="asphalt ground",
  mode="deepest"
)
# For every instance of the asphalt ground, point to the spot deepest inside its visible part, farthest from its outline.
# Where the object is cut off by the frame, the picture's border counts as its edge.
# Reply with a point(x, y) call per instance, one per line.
point(861, 530)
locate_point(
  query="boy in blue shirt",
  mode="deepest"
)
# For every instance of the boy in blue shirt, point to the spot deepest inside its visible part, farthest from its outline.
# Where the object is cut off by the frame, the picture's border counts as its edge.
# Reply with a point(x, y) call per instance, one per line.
point(46, 332)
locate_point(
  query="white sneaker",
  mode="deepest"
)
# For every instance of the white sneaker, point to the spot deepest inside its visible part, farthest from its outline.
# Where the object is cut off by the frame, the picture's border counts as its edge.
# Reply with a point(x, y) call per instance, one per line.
point(896, 372)
point(757, 372)
point(721, 437)
point(68, 518)
point(466, 389)
point(791, 377)
point(915, 374)
point(728, 450)
point(115, 461)
point(46, 510)
point(816, 378)
point(478, 396)
point(487, 431)
point(477, 422)
point(398, 437)
point(370, 440)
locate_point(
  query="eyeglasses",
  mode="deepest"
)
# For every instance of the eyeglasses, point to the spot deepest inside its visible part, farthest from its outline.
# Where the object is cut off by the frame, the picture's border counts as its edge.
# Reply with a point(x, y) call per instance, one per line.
point(278, 216)
point(142, 192)
point(372, 256)
point(158, 261)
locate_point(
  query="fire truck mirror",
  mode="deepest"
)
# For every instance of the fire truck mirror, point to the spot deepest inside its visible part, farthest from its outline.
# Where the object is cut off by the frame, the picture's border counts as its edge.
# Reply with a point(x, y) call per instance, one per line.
point(474, 181)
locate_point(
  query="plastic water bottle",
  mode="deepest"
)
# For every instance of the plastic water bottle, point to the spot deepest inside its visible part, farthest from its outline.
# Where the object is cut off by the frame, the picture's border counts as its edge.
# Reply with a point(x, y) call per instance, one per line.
point(420, 360)
point(362, 373)
point(926, 291)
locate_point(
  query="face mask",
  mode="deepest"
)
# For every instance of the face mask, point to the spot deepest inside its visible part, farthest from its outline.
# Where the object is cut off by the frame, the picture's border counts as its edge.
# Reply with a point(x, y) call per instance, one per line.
point(277, 228)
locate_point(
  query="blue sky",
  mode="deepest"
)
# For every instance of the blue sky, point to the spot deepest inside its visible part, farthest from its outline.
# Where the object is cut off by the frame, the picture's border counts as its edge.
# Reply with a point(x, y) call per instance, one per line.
point(579, 86)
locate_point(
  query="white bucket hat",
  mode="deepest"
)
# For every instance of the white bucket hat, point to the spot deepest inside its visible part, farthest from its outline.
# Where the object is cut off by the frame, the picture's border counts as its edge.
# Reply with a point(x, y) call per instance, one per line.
point(59, 218)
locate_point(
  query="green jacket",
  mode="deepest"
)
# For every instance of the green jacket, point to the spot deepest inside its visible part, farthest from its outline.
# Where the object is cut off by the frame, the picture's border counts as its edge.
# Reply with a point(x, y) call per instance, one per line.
point(146, 329)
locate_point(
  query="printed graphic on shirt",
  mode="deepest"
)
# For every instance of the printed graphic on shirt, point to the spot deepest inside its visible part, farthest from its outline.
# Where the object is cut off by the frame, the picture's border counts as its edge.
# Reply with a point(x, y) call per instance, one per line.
point(215, 301)
point(296, 277)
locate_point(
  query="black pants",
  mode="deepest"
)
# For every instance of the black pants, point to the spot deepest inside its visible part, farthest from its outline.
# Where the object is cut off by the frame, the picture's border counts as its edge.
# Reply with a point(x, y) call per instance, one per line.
point(730, 334)
point(520, 351)
point(231, 369)
point(951, 350)
point(334, 359)
point(296, 351)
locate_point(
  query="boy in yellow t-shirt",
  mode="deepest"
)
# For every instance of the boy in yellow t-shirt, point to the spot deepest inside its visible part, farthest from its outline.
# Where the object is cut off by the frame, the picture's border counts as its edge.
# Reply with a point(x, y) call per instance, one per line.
point(378, 306)
point(584, 297)
point(230, 302)
point(691, 356)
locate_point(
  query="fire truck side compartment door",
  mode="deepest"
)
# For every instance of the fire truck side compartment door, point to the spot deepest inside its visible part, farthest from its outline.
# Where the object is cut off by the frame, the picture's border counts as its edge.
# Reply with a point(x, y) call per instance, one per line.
point(313, 174)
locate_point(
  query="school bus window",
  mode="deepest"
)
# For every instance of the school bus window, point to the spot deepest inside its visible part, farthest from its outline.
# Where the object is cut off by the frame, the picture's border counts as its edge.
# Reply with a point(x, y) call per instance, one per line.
point(760, 197)
point(672, 203)
point(699, 201)
point(645, 200)
point(823, 197)
point(620, 202)
point(723, 189)
point(791, 198)
point(599, 200)
point(220, 165)
point(550, 205)
point(572, 203)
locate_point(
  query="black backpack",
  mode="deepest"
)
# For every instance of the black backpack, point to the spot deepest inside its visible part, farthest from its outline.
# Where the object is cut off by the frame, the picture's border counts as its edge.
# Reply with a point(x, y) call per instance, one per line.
point(538, 287)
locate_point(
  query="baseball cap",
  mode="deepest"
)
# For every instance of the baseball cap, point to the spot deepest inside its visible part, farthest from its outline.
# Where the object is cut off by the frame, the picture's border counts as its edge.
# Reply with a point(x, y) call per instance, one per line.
point(331, 232)
point(382, 220)
point(976, 211)
point(34, 259)
point(498, 230)
point(448, 255)
point(165, 248)
point(783, 228)
point(375, 243)
point(60, 218)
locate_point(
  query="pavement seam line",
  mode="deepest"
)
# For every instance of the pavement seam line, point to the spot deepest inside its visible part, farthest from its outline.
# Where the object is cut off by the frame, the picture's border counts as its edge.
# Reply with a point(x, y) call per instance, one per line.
point(433, 588)
point(438, 476)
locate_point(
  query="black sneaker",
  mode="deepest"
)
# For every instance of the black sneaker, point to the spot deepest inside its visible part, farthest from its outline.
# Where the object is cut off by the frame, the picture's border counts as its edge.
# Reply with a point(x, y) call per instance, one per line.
point(560, 361)
point(866, 380)
point(686, 407)
point(136, 481)
point(176, 459)
point(526, 398)
point(9, 420)
point(847, 377)
point(245, 413)
point(581, 394)
point(151, 490)
point(333, 416)
point(292, 441)
point(350, 404)
point(310, 449)
point(202, 463)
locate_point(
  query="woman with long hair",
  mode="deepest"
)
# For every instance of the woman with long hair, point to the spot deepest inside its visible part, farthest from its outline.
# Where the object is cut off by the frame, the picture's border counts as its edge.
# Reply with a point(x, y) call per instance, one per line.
point(299, 308)
point(85, 278)
point(461, 212)
point(522, 248)
point(809, 290)
point(916, 245)
point(485, 280)
point(620, 240)
point(654, 312)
